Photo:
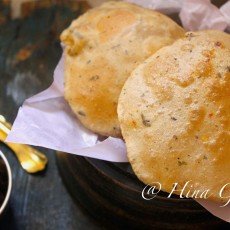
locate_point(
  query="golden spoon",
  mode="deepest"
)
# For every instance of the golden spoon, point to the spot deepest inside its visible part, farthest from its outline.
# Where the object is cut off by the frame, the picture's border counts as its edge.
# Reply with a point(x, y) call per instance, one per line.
point(30, 159)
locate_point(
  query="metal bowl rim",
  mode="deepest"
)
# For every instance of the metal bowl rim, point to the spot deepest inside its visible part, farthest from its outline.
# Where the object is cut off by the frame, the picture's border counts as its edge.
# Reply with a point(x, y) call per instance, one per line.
point(9, 187)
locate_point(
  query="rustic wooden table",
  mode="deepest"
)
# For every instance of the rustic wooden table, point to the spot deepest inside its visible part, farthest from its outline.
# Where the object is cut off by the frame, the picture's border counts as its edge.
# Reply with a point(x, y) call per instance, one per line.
point(29, 52)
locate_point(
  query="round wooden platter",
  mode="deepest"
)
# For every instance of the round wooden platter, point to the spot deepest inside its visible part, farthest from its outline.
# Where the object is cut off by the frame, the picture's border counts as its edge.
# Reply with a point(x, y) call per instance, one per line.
point(111, 193)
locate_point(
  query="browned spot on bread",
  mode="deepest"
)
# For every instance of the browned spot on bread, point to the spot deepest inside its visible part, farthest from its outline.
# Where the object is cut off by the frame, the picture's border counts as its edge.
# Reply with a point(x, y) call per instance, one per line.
point(113, 23)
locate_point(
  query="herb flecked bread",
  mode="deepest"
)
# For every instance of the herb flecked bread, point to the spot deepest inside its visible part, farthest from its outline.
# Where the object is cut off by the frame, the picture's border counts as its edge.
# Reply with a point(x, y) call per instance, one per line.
point(174, 113)
point(102, 48)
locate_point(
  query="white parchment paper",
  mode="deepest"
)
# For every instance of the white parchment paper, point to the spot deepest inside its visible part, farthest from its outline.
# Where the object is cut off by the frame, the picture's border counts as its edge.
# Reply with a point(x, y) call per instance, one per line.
point(46, 119)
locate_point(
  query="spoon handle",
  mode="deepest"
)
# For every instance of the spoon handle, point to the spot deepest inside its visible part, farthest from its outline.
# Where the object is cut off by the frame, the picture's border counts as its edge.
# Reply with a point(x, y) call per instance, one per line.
point(30, 159)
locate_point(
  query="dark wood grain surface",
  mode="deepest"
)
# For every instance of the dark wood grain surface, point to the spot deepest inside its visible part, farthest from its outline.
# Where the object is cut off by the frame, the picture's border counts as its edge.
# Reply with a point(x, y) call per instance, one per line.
point(29, 52)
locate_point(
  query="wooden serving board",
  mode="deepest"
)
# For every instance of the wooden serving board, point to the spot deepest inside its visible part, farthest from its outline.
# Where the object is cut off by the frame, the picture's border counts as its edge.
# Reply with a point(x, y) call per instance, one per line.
point(111, 193)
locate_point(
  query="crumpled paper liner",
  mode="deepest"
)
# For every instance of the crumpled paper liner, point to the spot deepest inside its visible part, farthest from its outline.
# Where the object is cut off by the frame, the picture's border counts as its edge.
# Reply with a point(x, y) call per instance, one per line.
point(194, 14)
point(46, 119)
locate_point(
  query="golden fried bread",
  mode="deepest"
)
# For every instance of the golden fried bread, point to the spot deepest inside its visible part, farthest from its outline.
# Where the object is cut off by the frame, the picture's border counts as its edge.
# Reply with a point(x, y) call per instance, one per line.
point(174, 113)
point(102, 47)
